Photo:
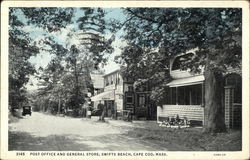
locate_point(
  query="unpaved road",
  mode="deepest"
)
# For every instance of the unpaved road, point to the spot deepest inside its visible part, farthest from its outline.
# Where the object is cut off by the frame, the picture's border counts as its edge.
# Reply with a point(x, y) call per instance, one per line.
point(41, 132)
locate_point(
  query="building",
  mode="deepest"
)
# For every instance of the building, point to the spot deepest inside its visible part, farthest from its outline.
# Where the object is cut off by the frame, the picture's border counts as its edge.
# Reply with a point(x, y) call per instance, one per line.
point(186, 95)
point(120, 97)
point(112, 95)
point(98, 83)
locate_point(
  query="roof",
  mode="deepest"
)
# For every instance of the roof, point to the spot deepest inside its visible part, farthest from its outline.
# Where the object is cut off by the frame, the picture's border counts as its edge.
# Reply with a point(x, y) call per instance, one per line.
point(117, 70)
point(187, 81)
point(97, 80)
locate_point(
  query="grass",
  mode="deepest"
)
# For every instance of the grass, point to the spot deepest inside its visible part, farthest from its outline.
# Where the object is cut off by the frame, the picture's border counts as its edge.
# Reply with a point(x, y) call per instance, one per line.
point(189, 139)
point(14, 117)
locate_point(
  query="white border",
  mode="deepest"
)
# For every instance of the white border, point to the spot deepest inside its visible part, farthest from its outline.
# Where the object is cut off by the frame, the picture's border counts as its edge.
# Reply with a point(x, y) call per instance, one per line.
point(5, 154)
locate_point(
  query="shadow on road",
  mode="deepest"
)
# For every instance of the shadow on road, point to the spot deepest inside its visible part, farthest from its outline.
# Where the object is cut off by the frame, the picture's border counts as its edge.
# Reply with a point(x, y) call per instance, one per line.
point(34, 133)
point(27, 142)
point(24, 141)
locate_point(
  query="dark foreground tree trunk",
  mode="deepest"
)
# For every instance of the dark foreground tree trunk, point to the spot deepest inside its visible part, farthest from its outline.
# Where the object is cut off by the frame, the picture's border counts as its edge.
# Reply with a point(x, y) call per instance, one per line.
point(214, 112)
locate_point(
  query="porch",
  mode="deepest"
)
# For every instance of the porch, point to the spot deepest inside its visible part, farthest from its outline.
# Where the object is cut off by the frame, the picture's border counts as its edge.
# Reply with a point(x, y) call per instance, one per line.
point(190, 112)
point(185, 98)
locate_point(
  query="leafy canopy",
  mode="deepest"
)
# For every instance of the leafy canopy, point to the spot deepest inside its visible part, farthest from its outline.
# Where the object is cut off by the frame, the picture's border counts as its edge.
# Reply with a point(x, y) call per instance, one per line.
point(156, 35)
point(216, 32)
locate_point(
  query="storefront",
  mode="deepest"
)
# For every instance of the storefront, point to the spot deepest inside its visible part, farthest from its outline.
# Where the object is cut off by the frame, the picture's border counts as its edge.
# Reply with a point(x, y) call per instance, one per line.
point(107, 98)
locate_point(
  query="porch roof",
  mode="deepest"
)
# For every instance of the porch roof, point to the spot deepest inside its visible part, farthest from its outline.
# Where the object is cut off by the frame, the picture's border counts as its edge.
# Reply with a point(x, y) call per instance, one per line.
point(108, 95)
point(187, 81)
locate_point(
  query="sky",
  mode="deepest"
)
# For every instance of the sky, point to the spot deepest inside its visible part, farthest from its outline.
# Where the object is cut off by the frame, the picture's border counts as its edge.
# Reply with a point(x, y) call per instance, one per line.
point(42, 59)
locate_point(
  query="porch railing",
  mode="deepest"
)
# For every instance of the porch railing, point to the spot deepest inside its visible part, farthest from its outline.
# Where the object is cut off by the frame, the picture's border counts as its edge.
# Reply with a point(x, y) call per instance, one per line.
point(191, 112)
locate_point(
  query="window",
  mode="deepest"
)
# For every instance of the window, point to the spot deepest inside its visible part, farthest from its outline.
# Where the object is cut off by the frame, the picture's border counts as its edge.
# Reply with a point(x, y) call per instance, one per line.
point(106, 81)
point(142, 100)
point(171, 95)
point(190, 95)
point(196, 94)
point(129, 98)
point(111, 79)
point(130, 88)
point(185, 95)
point(181, 96)
point(118, 79)
point(179, 60)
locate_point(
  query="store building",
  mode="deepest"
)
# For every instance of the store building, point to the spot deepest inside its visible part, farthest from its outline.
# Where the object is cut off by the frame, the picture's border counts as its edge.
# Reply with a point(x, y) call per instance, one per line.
point(120, 98)
point(112, 95)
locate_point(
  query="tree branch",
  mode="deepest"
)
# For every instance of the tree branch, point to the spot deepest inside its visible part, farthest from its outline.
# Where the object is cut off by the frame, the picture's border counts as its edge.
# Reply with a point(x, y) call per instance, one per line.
point(141, 17)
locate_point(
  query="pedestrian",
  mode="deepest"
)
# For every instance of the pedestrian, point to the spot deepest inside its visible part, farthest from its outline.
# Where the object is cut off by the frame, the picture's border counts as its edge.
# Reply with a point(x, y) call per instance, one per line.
point(103, 111)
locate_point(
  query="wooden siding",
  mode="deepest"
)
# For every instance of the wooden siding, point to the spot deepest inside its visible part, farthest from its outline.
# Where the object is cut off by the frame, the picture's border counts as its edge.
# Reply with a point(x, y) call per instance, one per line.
point(237, 116)
point(192, 112)
point(119, 102)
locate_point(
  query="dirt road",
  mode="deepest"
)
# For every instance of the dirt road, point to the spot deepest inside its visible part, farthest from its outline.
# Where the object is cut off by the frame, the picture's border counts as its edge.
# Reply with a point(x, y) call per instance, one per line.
point(41, 132)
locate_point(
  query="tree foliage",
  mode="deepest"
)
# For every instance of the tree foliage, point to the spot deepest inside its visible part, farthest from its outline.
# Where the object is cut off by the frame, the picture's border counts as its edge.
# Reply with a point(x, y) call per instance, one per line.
point(51, 19)
point(215, 33)
point(67, 76)
point(21, 49)
point(146, 68)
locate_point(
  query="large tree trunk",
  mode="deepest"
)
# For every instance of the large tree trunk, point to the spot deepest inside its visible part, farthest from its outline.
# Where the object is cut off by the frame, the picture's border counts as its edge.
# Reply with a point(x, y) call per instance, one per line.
point(214, 112)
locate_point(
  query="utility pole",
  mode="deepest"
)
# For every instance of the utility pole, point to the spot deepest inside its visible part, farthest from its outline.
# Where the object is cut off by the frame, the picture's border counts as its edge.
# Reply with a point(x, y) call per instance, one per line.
point(59, 100)
point(88, 105)
point(59, 106)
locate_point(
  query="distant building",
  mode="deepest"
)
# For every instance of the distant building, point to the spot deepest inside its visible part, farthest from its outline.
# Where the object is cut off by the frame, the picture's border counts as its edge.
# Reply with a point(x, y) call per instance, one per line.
point(112, 95)
point(119, 96)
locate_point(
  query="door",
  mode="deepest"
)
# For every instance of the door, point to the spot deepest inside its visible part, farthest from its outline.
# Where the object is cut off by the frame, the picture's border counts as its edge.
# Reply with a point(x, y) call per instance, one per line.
point(141, 110)
point(110, 108)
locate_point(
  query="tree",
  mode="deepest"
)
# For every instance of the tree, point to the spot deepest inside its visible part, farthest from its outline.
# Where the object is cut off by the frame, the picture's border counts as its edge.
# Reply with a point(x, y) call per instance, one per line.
point(66, 79)
point(22, 46)
point(21, 49)
point(78, 70)
point(69, 72)
point(51, 19)
point(146, 68)
point(52, 87)
point(215, 32)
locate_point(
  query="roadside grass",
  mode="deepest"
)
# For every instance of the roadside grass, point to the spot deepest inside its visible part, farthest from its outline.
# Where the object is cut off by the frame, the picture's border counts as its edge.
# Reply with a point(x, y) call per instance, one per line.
point(14, 117)
point(189, 139)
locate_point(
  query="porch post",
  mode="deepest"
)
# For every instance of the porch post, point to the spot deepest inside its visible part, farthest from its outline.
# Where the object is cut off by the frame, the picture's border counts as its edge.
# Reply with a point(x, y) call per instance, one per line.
point(176, 96)
point(202, 103)
point(202, 95)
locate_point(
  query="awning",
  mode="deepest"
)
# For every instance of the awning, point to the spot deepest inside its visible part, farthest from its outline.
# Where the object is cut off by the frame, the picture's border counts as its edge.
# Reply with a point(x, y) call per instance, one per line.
point(108, 95)
point(186, 81)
